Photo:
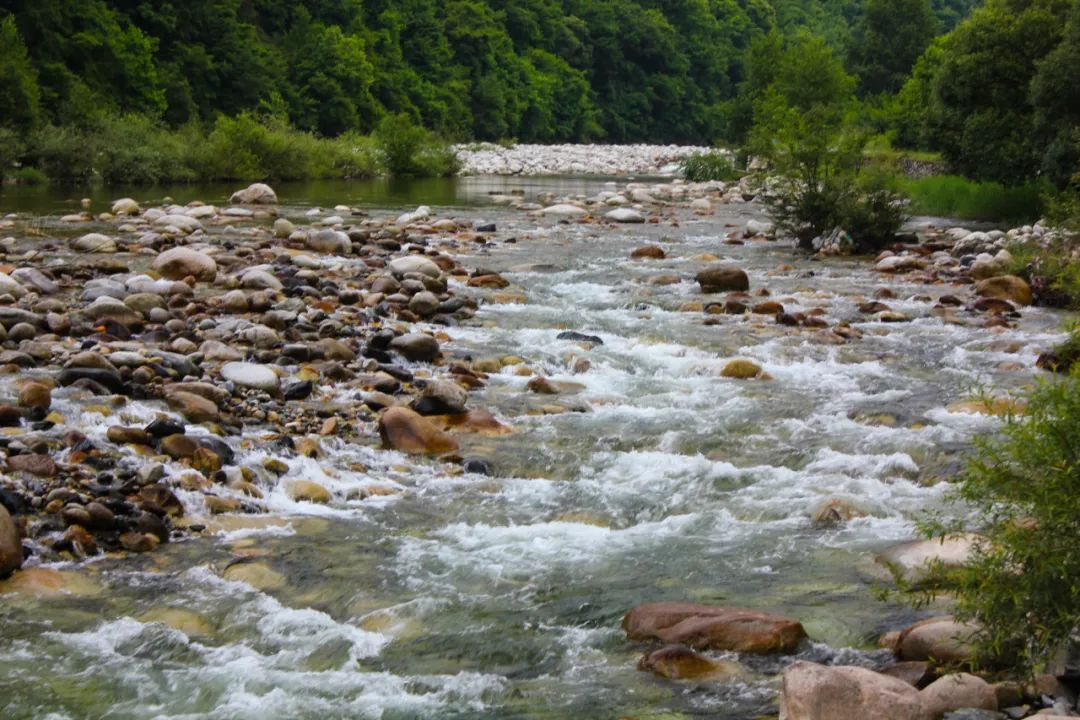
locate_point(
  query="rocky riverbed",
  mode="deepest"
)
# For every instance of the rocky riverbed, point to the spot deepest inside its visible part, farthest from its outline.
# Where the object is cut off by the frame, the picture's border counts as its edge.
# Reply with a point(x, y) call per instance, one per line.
point(598, 160)
point(267, 459)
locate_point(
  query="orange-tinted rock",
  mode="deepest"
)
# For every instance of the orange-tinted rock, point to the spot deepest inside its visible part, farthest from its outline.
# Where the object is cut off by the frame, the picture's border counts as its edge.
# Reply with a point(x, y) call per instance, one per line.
point(1005, 287)
point(708, 627)
point(405, 430)
point(651, 252)
point(678, 662)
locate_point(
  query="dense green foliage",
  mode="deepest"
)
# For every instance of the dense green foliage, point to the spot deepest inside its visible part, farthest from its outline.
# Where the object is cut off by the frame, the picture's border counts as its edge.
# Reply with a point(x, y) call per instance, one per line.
point(997, 96)
point(1023, 583)
point(953, 196)
point(135, 149)
point(534, 70)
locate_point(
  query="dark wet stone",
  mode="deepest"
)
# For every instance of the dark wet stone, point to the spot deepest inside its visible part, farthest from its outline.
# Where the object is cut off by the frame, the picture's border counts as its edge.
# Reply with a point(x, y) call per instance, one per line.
point(486, 228)
point(108, 379)
point(152, 524)
point(575, 336)
point(298, 390)
point(479, 466)
point(163, 427)
point(10, 416)
point(397, 372)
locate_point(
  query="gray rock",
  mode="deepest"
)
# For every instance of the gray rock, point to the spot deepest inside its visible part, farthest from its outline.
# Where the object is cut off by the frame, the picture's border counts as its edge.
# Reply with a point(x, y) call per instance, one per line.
point(255, 194)
point(94, 243)
point(283, 228)
point(180, 262)
point(256, 279)
point(36, 279)
point(414, 264)
point(251, 375)
point(625, 215)
point(329, 241)
point(424, 304)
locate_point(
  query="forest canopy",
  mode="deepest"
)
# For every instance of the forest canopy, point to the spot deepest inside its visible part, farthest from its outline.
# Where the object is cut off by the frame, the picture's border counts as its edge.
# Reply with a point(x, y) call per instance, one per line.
point(532, 70)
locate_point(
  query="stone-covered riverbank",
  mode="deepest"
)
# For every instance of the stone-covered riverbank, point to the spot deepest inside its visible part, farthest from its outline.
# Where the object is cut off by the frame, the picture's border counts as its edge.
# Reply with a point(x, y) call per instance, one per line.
point(598, 403)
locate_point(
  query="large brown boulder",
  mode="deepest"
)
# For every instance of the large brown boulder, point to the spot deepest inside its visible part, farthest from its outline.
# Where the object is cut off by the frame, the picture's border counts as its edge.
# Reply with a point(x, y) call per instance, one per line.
point(1005, 287)
point(941, 640)
point(405, 430)
point(723, 279)
point(815, 692)
point(707, 627)
point(11, 555)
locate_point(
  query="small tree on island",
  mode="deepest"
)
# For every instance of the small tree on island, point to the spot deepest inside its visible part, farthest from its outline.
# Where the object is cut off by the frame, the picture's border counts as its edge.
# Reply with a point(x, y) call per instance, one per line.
point(821, 180)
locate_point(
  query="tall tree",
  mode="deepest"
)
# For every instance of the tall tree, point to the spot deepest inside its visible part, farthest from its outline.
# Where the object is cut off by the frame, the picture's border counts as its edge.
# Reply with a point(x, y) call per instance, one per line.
point(887, 40)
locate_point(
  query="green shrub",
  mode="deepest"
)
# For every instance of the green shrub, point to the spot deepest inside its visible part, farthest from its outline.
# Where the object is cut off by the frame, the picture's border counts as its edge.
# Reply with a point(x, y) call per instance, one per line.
point(1023, 582)
point(136, 149)
point(64, 153)
point(408, 149)
point(29, 176)
point(703, 167)
point(11, 149)
point(1052, 270)
point(873, 211)
point(957, 197)
point(246, 147)
point(354, 156)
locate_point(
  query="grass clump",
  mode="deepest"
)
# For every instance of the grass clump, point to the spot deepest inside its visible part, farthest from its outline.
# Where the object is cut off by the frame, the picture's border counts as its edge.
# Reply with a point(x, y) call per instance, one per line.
point(705, 167)
point(1022, 584)
point(959, 197)
point(1052, 269)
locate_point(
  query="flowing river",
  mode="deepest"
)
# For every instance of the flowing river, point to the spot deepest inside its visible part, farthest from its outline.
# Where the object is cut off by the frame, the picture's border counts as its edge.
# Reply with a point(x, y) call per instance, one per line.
point(444, 594)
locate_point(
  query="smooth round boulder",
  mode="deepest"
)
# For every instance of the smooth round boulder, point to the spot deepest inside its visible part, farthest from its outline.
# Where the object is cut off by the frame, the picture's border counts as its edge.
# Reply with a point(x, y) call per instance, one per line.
point(255, 194)
point(181, 262)
point(741, 370)
point(625, 215)
point(809, 691)
point(251, 375)
point(956, 691)
point(126, 206)
point(407, 431)
point(1005, 287)
point(11, 554)
point(94, 243)
point(565, 210)
point(424, 303)
point(723, 279)
point(941, 640)
point(414, 263)
point(417, 347)
point(308, 491)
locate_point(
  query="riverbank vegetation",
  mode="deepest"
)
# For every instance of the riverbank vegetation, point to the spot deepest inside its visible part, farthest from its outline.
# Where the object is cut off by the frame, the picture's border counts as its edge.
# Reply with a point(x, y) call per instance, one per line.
point(1021, 585)
point(220, 89)
point(534, 70)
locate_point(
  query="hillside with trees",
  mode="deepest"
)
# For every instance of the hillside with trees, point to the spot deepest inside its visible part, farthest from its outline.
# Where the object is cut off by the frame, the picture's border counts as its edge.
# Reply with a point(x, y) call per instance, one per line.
point(533, 70)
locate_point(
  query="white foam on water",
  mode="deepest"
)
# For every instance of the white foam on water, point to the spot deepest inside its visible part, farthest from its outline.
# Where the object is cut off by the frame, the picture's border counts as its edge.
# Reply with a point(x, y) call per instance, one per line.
point(517, 553)
point(263, 674)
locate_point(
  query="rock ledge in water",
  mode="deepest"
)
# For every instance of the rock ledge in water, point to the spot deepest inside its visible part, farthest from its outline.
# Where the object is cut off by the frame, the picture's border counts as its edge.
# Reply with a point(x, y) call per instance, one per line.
point(707, 627)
